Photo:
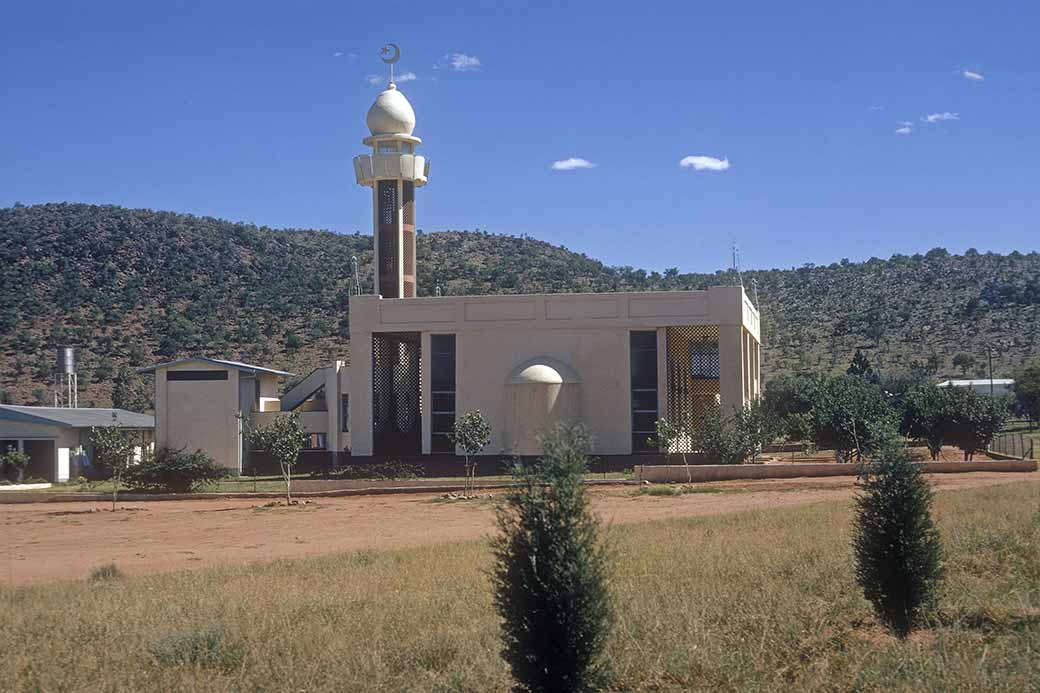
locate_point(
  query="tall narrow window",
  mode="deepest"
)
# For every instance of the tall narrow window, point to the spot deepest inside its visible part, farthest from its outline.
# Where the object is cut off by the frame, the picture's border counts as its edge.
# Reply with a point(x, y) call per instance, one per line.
point(344, 411)
point(643, 348)
point(442, 392)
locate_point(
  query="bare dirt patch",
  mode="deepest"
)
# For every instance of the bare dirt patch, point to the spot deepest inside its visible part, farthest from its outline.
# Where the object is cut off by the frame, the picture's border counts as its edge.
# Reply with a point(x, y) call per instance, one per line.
point(40, 543)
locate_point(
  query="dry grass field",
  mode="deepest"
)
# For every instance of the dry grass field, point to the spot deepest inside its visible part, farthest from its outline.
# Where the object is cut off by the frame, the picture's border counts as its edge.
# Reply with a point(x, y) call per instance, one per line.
point(762, 599)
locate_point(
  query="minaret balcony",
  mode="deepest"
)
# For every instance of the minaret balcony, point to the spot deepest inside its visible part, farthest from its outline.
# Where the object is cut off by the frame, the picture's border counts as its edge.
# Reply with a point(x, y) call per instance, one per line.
point(368, 168)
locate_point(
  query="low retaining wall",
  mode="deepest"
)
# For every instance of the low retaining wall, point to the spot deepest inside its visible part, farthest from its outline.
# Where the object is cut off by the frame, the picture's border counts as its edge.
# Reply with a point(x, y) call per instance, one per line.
point(728, 472)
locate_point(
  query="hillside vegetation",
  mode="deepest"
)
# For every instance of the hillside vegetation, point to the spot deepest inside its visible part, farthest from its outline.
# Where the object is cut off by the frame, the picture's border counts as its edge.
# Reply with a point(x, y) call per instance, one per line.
point(132, 286)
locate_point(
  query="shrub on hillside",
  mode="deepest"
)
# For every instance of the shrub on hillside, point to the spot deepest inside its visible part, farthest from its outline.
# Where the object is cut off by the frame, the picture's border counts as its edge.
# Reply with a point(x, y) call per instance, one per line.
point(175, 471)
point(897, 549)
point(550, 575)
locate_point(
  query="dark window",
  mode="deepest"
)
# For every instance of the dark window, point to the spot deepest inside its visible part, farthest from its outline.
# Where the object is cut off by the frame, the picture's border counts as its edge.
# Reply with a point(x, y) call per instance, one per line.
point(643, 348)
point(316, 442)
point(196, 375)
point(344, 411)
point(442, 392)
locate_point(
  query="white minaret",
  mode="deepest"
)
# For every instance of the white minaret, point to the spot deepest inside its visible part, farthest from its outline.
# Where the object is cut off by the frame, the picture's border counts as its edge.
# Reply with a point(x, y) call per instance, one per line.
point(393, 171)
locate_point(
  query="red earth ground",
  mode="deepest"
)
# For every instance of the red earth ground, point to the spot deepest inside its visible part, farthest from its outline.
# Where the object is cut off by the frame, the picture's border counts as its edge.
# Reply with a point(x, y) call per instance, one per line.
point(54, 541)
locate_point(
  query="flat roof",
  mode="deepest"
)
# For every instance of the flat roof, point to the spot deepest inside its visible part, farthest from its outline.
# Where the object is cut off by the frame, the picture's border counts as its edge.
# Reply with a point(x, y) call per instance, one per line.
point(237, 365)
point(76, 418)
point(977, 381)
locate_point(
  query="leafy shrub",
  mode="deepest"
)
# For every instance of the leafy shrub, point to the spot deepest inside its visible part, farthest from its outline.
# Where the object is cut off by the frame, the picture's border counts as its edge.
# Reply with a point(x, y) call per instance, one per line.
point(13, 463)
point(737, 438)
point(897, 549)
point(550, 575)
point(175, 471)
point(925, 416)
point(203, 646)
point(380, 470)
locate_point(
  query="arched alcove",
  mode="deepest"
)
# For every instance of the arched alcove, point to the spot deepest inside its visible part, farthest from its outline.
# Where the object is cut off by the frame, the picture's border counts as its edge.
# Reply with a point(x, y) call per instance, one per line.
point(539, 392)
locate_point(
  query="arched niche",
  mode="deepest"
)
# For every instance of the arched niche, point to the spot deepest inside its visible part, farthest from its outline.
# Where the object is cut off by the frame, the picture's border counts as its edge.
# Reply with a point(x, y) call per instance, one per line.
point(539, 392)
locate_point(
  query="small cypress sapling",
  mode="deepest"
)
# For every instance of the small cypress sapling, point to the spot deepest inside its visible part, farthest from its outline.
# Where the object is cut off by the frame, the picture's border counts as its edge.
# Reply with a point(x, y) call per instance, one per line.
point(897, 548)
point(550, 575)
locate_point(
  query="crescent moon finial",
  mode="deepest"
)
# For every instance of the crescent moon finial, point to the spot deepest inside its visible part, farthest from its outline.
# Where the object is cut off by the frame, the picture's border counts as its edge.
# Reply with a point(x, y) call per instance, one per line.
point(393, 50)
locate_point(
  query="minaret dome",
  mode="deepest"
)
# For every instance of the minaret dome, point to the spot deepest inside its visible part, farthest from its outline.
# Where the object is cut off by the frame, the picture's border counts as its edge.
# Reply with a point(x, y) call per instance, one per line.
point(391, 114)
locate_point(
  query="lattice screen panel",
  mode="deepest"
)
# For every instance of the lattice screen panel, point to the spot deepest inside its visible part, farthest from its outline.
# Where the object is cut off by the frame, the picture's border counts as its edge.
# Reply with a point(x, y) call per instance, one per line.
point(396, 387)
point(693, 375)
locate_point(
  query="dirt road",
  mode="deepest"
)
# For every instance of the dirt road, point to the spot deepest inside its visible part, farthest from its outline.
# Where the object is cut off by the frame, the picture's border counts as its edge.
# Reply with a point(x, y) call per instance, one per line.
point(54, 541)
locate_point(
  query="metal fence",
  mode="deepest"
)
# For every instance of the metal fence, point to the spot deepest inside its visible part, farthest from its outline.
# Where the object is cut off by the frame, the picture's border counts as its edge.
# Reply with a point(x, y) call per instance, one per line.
point(1013, 445)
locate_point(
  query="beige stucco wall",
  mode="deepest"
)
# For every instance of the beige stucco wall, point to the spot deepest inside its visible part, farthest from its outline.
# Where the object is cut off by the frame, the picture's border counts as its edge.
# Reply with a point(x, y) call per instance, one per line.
point(588, 332)
point(199, 414)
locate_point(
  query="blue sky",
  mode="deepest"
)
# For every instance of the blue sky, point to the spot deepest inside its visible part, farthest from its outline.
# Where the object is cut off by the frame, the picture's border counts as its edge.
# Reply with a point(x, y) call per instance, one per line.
point(251, 111)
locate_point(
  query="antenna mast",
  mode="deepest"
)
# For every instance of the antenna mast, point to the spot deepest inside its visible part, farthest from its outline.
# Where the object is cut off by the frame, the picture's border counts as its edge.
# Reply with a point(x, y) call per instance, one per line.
point(736, 264)
point(357, 276)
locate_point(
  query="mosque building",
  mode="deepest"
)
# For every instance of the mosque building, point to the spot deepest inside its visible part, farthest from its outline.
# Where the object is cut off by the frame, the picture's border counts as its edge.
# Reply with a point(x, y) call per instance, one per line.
point(616, 362)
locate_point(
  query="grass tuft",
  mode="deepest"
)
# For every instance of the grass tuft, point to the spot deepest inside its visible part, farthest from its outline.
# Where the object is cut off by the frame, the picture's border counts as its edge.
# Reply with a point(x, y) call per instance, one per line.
point(200, 646)
point(102, 573)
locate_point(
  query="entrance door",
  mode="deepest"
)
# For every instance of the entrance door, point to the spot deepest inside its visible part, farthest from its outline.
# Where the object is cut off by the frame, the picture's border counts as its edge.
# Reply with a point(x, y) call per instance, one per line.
point(396, 387)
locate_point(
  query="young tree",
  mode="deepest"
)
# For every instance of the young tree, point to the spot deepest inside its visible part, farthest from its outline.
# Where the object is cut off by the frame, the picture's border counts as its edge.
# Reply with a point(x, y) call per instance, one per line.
point(897, 549)
point(788, 400)
point(282, 438)
point(846, 412)
point(963, 362)
point(973, 419)
point(672, 437)
point(737, 438)
point(113, 449)
point(16, 461)
point(926, 417)
point(472, 433)
point(1027, 393)
point(551, 571)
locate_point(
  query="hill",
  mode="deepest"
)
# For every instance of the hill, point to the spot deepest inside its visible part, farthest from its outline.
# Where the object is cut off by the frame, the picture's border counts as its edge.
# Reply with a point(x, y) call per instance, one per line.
point(132, 286)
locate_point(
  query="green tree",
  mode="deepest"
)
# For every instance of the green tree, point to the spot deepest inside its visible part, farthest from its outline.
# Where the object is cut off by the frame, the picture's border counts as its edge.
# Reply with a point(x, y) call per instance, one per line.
point(861, 368)
point(963, 362)
point(129, 392)
point(926, 417)
point(1027, 393)
point(973, 419)
point(788, 401)
point(472, 433)
point(282, 438)
point(113, 450)
point(846, 412)
point(551, 572)
point(896, 547)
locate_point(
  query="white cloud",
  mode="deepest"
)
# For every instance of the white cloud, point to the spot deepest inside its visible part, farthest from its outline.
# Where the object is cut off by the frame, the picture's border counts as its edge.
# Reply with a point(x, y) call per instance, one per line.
point(704, 163)
point(877, 108)
point(571, 164)
point(374, 79)
point(406, 77)
point(973, 76)
point(937, 117)
point(905, 128)
point(461, 62)
point(337, 54)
